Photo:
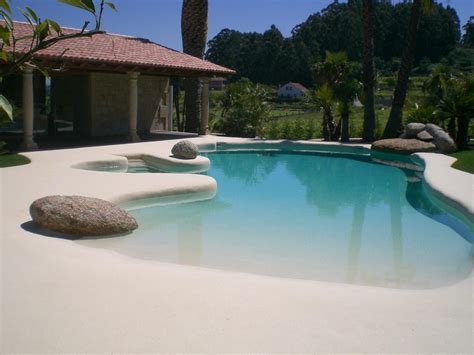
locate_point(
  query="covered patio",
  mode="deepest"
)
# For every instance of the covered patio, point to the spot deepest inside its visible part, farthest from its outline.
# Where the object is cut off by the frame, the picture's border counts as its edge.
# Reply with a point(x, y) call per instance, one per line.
point(103, 86)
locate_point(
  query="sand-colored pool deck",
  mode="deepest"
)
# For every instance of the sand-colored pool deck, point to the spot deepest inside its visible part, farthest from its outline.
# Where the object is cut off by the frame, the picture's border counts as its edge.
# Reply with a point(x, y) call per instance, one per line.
point(58, 296)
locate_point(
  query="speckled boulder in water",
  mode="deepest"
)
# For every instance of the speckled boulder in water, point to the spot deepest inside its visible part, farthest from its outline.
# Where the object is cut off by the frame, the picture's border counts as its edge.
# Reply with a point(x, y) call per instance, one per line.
point(403, 146)
point(83, 216)
point(412, 129)
point(441, 139)
point(185, 150)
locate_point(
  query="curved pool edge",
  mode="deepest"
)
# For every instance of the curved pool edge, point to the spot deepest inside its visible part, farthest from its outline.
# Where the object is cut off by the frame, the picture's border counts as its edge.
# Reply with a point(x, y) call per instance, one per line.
point(452, 186)
point(161, 159)
point(200, 189)
point(230, 144)
point(70, 169)
point(170, 164)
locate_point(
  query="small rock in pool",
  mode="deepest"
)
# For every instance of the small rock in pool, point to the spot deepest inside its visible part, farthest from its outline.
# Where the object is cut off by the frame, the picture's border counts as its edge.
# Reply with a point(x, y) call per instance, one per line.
point(185, 150)
point(83, 216)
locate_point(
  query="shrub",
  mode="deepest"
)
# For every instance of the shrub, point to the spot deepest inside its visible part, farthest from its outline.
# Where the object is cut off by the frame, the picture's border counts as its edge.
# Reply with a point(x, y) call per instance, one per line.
point(297, 130)
point(292, 129)
point(424, 113)
point(245, 109)
point(311, 130)
point(272, 130)
point(285, 129)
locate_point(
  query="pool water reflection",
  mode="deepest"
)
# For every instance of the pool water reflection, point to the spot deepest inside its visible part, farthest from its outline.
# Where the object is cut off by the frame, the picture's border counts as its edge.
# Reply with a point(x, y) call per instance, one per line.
point(308, 216)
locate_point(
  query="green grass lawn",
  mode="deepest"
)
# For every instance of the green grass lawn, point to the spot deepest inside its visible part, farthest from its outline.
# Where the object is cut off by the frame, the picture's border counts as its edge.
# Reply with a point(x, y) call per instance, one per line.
point(8, 160)
point(465, 160)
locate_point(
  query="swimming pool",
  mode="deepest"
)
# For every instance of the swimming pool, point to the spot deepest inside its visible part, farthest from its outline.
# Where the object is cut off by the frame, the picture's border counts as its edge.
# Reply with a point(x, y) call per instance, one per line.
point(308, 216)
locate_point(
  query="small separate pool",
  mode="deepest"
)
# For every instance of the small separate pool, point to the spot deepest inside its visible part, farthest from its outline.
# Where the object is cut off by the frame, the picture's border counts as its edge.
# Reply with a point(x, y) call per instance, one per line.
point(140, 166)
point(308, 216)
point(146, 164)
point(134, 166)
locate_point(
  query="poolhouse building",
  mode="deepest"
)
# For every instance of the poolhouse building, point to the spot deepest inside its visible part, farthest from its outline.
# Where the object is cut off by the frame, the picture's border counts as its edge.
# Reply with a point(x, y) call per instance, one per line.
point(102, 85)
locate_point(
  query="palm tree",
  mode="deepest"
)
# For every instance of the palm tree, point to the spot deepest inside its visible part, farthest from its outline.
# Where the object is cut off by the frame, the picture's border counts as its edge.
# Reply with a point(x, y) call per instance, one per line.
point(457, 107)
point(335, 80)
point(328, 75)
point(438, 83)
point(324, 99)
point(394, 124)
point(194, 33)
point(346, 92)
point(368, 70)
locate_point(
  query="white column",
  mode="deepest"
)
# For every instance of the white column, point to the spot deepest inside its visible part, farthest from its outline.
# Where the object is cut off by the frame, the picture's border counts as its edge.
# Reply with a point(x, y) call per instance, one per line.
point(28, 109)
point(170, 107)
point(133, 106)
point(205, 106)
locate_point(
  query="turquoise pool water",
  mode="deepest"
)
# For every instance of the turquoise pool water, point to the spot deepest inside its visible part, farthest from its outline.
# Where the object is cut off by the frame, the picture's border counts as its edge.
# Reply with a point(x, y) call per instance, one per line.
point(308, 216)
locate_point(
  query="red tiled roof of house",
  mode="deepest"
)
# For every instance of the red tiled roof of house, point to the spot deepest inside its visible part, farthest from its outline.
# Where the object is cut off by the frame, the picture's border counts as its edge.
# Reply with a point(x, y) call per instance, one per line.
point(299, 86)
point(113, 49)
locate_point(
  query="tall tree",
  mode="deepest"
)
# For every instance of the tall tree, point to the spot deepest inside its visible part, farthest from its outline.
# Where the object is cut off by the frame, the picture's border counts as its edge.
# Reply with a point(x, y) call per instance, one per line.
point(456, 106)
point(346, 92)
point(368, 70)
point(224, 48)
point(338, 27)
point(394, 124)
point(194, 34)
point(468, 38)
point(335, 81)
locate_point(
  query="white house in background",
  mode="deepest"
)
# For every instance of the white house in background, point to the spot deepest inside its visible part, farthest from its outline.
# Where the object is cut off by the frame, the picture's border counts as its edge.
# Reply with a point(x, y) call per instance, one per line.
point(292, 90)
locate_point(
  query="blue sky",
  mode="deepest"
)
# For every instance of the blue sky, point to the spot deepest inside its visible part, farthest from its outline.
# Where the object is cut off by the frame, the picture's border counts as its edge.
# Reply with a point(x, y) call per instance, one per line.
point(159, 20)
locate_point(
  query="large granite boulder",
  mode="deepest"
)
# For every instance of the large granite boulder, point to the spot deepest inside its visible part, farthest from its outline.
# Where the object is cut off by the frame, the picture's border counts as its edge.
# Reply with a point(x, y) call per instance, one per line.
point(403, 146)
point(83, 216)
point(185, 150)
point(441, 139)
point(424, 136)
point(412, 129)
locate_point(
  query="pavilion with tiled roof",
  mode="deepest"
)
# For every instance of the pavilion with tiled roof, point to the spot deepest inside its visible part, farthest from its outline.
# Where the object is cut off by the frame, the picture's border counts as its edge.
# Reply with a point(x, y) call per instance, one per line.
point(111, 84)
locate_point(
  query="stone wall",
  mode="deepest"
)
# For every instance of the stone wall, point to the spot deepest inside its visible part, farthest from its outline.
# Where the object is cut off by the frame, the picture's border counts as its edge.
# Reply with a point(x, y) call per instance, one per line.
point(152, 93)
point(97, 103)
point(109, 102)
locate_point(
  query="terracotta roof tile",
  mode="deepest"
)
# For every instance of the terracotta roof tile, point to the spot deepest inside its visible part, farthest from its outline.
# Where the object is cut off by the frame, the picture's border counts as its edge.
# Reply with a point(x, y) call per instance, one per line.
point(118, 49)
point(299, 86)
